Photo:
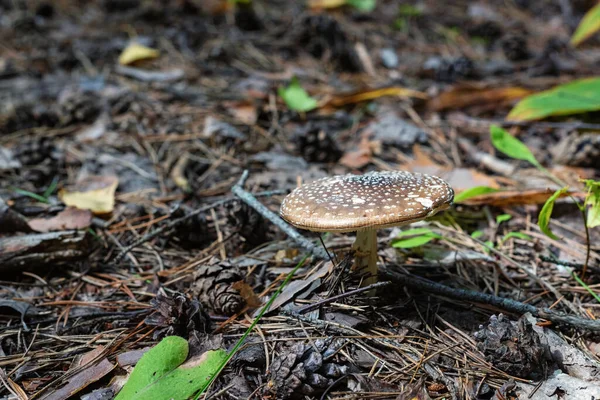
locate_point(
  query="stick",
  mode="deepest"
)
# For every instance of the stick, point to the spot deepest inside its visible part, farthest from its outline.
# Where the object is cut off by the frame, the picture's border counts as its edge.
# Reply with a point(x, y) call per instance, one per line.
point(249, 199)
point(420, 283)
point(500, 302)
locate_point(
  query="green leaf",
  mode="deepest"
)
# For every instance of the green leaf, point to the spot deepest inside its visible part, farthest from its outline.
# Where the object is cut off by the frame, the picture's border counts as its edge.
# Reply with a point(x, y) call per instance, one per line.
point(575, 97)
point(363, 5)
point(503, 218)
point(518, 235)
point(589, 25)
point(408, 10)
point(420, 236)
point(160, 375)
point(476, 234)
point(414, 232)
point(546, 213)
point(473, 192)
point(510, 145)
point(296, 98)
point(593, 200)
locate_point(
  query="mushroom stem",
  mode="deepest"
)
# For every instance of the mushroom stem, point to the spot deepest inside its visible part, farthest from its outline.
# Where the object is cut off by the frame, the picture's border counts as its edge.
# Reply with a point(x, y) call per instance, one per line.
point(365, 247)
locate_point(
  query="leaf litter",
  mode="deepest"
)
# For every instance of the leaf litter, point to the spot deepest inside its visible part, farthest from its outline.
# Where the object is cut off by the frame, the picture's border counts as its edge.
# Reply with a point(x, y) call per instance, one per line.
point(124, 127)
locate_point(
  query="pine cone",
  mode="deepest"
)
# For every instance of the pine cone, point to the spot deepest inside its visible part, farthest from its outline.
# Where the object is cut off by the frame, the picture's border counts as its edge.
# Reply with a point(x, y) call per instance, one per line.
point(195, 231)
point(317, 146)
point(515, 47)
point(79, 107)
point(513, 347)
point(322, 34)
point(214, 289)
point(251, 225)
point(451, 70)
point(40, 158)
point(177, 315)
point(35, 150)
point(300, 370)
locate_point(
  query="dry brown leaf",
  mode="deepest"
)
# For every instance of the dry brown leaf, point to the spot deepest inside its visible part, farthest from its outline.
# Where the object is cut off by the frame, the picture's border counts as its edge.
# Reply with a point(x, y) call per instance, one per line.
point(94, 193)
point(245, 290)
point(245, 112)
point(321, 4)
point(89, 374)
point(365, 95)
point(515, 197)
point(461, 97)
point(68, 219)
point(360, 157)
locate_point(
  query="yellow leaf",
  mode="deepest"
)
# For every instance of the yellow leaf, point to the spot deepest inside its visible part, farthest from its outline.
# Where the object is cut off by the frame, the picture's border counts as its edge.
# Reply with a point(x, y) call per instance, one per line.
point(317, 4)
point(95, 193)
point(589, 25)
point(136, 52)
point(357, 97)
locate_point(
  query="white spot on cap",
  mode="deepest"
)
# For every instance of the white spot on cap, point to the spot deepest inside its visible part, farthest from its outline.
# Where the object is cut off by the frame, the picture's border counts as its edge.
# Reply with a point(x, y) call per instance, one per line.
point(424, 202)
point(358, 200)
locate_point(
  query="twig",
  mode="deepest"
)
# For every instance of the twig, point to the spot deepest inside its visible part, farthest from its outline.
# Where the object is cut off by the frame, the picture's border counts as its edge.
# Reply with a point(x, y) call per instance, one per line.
point(500, 302)
point(420, 283)
point(251, 201)
point(571, 264)
point(350, 293)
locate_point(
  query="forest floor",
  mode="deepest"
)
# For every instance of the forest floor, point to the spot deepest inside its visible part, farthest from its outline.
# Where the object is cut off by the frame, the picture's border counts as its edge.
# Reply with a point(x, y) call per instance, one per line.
point(119, 226)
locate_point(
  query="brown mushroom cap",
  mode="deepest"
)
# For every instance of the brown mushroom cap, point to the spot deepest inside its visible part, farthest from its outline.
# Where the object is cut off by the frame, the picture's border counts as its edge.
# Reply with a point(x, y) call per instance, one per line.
point(350, 203)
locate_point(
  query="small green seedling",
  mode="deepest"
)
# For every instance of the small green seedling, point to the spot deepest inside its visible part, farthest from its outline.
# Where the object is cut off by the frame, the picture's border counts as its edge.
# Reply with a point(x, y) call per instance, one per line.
point(593, 201)
point(296, 98)
point(503, 218)
point(414, 238)
point(473, 192)
point(363, 5)
point(162, 375)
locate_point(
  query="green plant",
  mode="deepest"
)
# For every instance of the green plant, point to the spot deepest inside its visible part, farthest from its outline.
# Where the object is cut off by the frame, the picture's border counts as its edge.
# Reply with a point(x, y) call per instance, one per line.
point(513, 147)
point(363, 5)
point(589, 25)
point(578, 96)
point(161, 373)
point(296, 98)
point(414, 238)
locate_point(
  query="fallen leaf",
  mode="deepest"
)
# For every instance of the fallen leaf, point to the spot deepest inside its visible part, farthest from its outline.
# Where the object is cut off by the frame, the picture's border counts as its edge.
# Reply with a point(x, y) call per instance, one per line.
point(90, 374)
point(575, 97)
point(160, 374)
point(247, 294)
point(507, 198)
point(461, 97)
point(68, 219)
point(136, 52)
point(94, 193)
point(366, 95)
point(359, 157)
point(298, 286)
point(589, 25)
point(245, 112)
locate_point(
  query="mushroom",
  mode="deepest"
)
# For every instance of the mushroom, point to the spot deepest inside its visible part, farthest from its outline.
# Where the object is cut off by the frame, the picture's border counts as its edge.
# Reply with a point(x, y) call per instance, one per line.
point(363, 204)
